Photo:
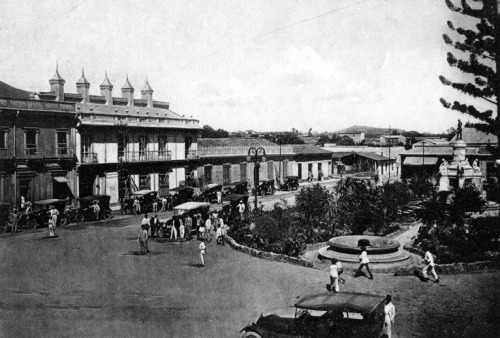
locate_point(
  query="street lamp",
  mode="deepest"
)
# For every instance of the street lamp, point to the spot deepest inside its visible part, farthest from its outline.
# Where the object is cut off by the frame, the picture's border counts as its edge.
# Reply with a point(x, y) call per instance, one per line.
point(253, 155)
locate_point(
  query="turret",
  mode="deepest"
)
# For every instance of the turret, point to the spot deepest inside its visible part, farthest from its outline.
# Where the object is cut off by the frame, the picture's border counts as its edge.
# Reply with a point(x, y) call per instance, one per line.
point(128, 92)
point(107, 90)
point(57, 85)
point(147, 93)
point(82, 88)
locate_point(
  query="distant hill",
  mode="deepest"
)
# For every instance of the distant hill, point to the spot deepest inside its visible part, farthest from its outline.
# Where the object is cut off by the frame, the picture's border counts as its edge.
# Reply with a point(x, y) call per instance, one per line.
point(11, 92)
point(369, 130)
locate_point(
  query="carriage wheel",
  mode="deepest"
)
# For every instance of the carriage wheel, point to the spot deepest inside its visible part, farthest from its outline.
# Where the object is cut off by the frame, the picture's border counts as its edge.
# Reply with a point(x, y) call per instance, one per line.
point(79, 218)
point(251, 334)
point(63, 221)
point(107, 214)
point(32, 223)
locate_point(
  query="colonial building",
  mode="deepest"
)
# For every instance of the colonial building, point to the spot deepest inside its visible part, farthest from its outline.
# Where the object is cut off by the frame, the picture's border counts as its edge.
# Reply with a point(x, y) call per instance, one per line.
point(225, 160)
point(37, 150)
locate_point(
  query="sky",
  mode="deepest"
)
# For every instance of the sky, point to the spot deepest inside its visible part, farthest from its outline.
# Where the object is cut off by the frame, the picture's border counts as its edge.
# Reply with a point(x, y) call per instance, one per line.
point(267, 65)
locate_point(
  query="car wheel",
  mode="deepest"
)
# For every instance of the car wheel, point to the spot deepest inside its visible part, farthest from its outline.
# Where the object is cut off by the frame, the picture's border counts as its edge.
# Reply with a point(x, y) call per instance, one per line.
point(79, 218)
point(63, 221)
point(206, 200)
point(251, 334)
point(123, 210)
point(107, 214)
point(32, 223)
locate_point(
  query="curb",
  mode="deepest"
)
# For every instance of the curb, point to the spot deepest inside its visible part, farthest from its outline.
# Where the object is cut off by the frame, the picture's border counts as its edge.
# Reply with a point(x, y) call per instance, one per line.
point(267, 255)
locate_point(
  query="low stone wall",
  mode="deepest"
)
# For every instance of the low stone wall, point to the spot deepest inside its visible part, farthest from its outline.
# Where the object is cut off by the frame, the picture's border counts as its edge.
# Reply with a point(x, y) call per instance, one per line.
point(447, 269)
point(267, 255)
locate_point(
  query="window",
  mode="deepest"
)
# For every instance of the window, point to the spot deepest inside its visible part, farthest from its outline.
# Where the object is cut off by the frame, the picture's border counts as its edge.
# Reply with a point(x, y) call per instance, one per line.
point(285, 168)
point(143, 144)
point(122, 145)
point(270, 170)
point(226, 173)
point(162, 147)
point(299, 168)
point(31, 143)
point(208, 174)
point(87, 155)
point(62, 142)
point(243, 171)
point(144, 182)
point(3, 139)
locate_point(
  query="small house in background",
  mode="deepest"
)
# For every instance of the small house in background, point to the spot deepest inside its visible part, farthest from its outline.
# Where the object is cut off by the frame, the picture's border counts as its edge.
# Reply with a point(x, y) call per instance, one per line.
point(357, 137)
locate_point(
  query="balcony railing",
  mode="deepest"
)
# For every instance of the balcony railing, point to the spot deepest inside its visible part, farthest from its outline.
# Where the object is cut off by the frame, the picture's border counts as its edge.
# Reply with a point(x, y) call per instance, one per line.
point(5, 153)
point(149, 155)
point(65, 152)
point(37, 105)
point(191, 154)
point(33, 152)
point(89, 158)
point(235, 151)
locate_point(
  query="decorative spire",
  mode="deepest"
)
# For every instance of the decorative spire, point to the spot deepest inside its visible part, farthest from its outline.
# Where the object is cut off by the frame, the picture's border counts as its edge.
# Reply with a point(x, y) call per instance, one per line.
point(83, 80)
point(147, 87)
point(56, 76)
point(106, 83)
point(127, 84)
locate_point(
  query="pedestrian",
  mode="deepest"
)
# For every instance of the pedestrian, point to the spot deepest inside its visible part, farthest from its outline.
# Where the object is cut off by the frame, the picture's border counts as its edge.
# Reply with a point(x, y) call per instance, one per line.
point(208, 229)
point(335, 271)
point(182, 229)
point(28, 207)
point(23, 203)
point(320, 175)
point(201, 228)
point(155, 205)
point(215, 221)
point(203, 251)
point(154, 224)
point(188, 224)
point(363, 258)
point(173, 229)
point(137, 206)
point(241, 210)
point(310, 177)
point(53, 212)
point(429, 265)
point(390, 313)
point(163, 204)
point(52, 227)
point(96, 209)
point(14, 217)
point(169, 202)
point(143, 240)
point(219, 197)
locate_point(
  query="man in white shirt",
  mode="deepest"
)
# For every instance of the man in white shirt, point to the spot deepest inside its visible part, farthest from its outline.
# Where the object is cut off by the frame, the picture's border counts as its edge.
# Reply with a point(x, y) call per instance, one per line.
point(208, 228)
point(203, 251)
point(241, 209)
point(429, 265)
point(363, 260)
point(390, 313)
point(335, 270)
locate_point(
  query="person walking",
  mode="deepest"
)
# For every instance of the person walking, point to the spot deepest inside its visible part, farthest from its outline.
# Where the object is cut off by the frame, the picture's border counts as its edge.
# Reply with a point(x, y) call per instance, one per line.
point(203, 251)
point(390, 313)
point(181, 228)
point(13, 219)
point(173, 229)
point(188, 224)
point(429, 265)
point(201, 228)
point(96, 209)
point(241, 210)
point(208, 229)
point(155, 205)
point(53, 212)
point(219, 197)
point(154, 224)
point(335, 271)
point(52, 227)
point(137, 206)
point(163, 204)
point(364, 261)
point(143, 240)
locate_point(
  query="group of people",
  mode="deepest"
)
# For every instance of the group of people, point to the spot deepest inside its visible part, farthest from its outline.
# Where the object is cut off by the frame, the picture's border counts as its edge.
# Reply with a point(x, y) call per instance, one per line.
point(389, 309)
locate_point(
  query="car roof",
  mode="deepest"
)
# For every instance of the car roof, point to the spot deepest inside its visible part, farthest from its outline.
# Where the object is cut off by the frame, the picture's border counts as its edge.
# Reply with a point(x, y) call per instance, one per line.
point(235, 197)
point(266, 181)
point(93, 197)
point(363, 303)
point(191, 205)
point(50, 201)
point(291, 177)
point(143, 192)
point(213, 185)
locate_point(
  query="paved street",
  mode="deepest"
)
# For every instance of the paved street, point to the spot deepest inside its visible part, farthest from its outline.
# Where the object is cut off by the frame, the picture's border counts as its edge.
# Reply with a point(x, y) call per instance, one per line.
point(91, 282)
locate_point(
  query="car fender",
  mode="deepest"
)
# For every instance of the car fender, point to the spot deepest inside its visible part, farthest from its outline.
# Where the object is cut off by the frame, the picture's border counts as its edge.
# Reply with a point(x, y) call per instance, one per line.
point(255, 328)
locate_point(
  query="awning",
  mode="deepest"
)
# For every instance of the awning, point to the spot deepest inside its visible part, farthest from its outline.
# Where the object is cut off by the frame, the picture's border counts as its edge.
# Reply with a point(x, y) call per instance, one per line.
point(61, 179)
point(420, 161)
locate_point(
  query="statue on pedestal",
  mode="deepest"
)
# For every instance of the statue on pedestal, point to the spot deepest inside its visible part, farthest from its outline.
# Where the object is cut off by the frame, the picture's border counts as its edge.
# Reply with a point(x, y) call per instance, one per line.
point(444, 183)
point(459, 130)
point(475, 167)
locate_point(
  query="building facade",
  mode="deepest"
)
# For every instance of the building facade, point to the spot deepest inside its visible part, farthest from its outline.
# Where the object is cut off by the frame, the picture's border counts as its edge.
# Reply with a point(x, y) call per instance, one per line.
point(37, 150)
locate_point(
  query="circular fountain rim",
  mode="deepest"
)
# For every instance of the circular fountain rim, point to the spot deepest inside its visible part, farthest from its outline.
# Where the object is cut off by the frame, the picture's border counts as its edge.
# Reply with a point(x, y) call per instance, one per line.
point(389, 245)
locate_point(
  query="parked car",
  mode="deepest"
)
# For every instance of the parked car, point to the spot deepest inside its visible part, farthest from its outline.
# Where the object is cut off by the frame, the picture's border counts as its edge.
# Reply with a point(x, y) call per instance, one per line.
point(189, 208)
point(290, 183)
point(265, 187)
point(184, 194)
point(230, 208)
point(240, 188)
point(39, 217)
point(83, 210)
point(345, 314)
point(210, 193)
point(145, 197)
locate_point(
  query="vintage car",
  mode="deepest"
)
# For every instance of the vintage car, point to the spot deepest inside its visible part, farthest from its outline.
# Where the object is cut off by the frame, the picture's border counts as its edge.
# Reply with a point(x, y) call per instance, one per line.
point(145, 197)
point(39, 217)
point(290, 183)
point(184, 194)
point(83, 210)
point(265, 187)
point(240, 188)
point(190, 208)
point(345, 314)
point(230, 208)
point(210, 193)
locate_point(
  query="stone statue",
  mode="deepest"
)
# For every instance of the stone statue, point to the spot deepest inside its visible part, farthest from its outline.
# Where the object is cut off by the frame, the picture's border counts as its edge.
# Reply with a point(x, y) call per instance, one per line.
point(475, 167)
point(443, 168)
point(444, 182)
point(459, 130)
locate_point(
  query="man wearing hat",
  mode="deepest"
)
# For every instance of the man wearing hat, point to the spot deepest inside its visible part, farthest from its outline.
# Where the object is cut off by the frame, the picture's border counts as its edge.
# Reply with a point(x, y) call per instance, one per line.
point(53, 214)
point(390, 313)
point(335, 271)
point(13, 220)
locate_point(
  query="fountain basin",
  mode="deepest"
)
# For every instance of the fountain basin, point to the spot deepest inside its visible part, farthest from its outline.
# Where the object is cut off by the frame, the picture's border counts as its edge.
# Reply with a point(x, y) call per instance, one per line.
point(377, 246)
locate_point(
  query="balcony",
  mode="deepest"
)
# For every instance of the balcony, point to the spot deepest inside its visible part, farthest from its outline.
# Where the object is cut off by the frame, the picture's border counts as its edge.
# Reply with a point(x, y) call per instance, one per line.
point(65, 152)
point(5, 154)
point(144, 156)
point(33, 152)
point(89, 158)
point(37, 105)
point(191, 154)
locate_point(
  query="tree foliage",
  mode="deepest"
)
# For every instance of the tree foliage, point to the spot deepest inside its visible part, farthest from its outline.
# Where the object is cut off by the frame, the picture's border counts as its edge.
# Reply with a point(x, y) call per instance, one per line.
point(481, 61)
point(284, 138)
point(209, 132)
